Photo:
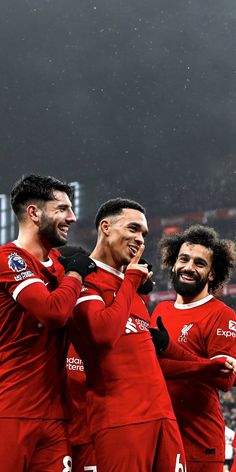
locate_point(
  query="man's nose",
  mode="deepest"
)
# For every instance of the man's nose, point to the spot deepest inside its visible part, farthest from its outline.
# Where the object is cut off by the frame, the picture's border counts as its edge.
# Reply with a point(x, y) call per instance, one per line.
point(190, 266)
point(71, 218)
point(139, 238)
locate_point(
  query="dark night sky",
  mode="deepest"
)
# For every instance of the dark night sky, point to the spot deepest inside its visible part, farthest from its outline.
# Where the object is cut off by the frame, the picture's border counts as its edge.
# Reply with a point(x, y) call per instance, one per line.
point(132, 98)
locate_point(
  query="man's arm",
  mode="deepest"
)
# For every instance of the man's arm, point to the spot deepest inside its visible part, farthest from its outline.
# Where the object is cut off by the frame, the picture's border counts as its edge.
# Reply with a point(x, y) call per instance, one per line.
point(177, 362)
point(29, 289)
point(213, 371)
point(54, 308)
point(103, 325)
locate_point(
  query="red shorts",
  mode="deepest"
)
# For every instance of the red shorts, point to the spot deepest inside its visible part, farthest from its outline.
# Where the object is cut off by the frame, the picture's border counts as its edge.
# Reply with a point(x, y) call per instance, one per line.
point(35, 445)
point(83, 457)
point(155, 446)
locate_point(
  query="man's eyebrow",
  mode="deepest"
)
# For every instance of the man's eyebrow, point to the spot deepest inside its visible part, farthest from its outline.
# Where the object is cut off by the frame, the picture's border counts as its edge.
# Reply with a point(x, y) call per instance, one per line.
point(63, 205)
point(137, 226)
point(183, 254)
point(198, 258)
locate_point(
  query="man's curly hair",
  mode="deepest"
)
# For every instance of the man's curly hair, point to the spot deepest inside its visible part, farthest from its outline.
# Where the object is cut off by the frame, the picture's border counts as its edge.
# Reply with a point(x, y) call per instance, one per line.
point(224, 251)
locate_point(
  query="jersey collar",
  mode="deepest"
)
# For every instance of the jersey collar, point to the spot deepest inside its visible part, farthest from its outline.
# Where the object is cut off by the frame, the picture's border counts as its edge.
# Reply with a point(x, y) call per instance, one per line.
point(47, 263)
point(186, 306)
point(109, 269)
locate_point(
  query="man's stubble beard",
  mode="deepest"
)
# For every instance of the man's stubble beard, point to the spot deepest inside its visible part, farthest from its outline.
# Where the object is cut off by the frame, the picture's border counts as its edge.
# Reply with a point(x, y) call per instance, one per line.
point(48, 232)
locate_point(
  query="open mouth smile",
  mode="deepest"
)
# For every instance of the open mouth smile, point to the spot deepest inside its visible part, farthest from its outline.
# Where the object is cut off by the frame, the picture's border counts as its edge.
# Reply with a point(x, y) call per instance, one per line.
point(133, 249)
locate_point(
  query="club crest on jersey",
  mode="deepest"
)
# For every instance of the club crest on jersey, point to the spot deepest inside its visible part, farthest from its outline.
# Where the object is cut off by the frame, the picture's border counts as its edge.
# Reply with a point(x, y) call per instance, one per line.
point(184, 333)
point(232, 325)
point(16, 263)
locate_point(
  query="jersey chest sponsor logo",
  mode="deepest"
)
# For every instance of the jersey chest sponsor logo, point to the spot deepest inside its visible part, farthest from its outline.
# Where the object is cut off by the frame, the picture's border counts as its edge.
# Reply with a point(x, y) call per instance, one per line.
point(16, 263)
point(232, 325)
point(136, 325)
point(231, 332)
point(74, 363)
point(183, 338)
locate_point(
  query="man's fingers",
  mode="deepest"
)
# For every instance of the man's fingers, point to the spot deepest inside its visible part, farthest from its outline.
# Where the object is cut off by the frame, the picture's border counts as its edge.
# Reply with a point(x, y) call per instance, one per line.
point(138, 254)
point(230, 366)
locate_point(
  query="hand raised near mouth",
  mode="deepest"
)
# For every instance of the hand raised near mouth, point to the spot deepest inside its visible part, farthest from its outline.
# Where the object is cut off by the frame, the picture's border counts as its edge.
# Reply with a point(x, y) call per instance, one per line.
point(134, 265)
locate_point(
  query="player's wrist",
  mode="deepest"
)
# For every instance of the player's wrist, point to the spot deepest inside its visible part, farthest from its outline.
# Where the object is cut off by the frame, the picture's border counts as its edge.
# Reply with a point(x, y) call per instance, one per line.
point(75, 275)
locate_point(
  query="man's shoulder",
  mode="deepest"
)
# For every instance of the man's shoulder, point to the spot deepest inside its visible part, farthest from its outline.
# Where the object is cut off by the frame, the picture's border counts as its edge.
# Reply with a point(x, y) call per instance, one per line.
point(162, 306)
point(102, 279)
point(8, 247)
point(14, 256)
point(221, 307)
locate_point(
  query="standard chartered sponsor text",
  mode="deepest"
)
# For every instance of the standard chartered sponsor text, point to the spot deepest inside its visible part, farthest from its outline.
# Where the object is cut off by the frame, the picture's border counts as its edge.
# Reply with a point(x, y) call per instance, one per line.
point(74, 363)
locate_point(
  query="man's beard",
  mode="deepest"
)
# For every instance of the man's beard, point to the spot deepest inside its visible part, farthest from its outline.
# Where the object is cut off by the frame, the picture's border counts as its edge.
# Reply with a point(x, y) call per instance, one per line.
point(188, 290)
point(48, 232)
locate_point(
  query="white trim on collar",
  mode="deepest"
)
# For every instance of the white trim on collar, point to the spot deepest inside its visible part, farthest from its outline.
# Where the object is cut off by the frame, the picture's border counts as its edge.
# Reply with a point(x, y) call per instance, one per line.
point(109, 268)
point(186, 306)
point(47, 263)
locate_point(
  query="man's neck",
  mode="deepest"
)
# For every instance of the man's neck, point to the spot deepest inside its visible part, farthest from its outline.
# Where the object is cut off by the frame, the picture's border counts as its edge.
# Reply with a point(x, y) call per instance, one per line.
point(100, 254)
point(33, 245)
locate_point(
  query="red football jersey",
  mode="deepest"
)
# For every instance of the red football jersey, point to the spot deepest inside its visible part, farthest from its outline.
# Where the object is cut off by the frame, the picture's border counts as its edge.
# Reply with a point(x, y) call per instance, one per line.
point(76, 384)
point(124, 379)
point(208, 329)
point(32, 345)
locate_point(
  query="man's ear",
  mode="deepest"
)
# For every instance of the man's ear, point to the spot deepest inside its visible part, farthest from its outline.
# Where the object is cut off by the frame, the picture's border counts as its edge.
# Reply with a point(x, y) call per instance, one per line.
point(105, 226)
point(211, 275)
point(33, 211)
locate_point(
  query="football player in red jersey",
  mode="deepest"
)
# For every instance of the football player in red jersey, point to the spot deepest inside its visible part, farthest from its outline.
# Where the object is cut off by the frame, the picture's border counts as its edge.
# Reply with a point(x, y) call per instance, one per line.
point(36, 300)
point(129, 410)
point(83, 454)
point(200, 263)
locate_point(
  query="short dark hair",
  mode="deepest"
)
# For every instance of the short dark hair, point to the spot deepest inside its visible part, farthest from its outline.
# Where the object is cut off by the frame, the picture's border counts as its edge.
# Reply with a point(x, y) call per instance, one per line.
point(224, 251)
point(36, 188)
point(115, 207)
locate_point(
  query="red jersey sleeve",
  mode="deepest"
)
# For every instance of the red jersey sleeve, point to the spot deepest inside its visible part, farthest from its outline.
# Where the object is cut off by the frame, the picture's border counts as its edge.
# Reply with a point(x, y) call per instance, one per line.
point(104, 325)
point(22, 276)
point(193, 365)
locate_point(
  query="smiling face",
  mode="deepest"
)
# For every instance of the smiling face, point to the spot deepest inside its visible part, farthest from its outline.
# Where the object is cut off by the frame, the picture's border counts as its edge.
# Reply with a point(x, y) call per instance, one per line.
point(56, 217)
point(124, 235)
point(192, 272)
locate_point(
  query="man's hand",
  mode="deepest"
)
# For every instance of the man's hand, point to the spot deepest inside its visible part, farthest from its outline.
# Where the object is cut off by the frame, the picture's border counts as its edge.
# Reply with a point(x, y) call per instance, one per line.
point(79, 263)
point(227, 366)
point(160, 336)
point(147, 287)
point(135, 264)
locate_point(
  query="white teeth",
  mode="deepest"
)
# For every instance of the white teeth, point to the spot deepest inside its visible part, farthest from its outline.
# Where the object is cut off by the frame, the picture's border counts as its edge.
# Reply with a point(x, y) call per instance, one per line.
point(186, 277)
point(64, 230)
